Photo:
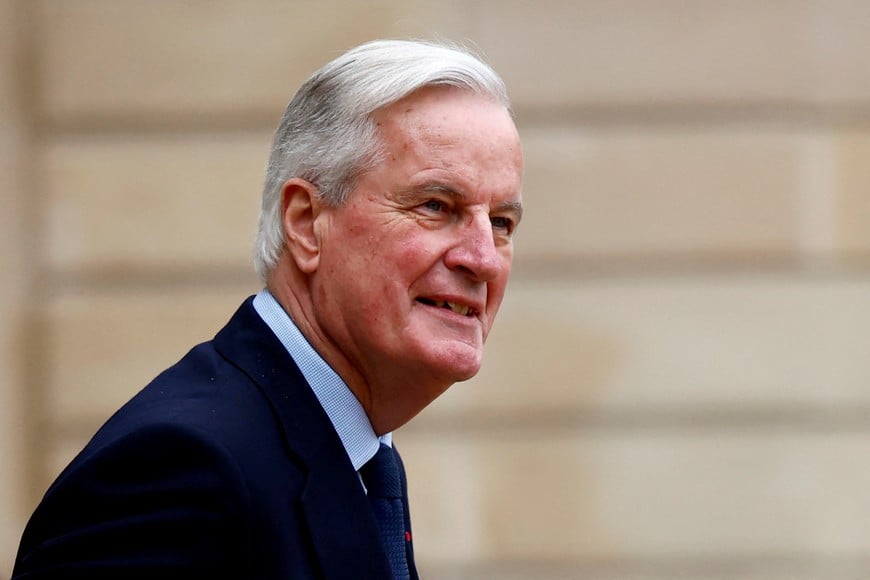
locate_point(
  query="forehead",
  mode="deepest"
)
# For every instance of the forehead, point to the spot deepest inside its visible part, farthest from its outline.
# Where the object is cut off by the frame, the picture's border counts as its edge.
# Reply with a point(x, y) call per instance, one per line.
point(453, 130)
point(441, 107)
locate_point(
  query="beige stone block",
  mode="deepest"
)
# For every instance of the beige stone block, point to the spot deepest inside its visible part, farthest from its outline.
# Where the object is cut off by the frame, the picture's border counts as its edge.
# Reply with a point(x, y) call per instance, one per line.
point(14, 308)
point(103, 58)
point(682, 347)
point(640, 496)
point(670, 347)
point(103, 347)
point(852, 187)
point(605, 54)
point(678, 504)
point(446, 496)
point(798, 567)
point(11, 25)
point(173, 202)
point(662, 192)
point(14, 299)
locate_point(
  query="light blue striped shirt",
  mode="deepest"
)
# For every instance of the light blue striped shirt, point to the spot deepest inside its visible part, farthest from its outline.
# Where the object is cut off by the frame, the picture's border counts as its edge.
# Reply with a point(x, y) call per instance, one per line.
point(342, 407)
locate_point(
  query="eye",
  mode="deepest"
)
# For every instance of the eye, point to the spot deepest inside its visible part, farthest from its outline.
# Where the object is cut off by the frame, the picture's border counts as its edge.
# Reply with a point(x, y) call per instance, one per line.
point(502, 223)
point(435, 205)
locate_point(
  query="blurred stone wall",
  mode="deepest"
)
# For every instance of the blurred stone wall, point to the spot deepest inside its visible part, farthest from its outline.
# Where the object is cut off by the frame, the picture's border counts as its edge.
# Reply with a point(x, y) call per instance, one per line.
point(677, 386)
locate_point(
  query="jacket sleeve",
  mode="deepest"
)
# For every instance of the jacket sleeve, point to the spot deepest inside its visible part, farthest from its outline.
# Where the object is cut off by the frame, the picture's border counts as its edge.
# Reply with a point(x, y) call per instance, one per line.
point(161, 502)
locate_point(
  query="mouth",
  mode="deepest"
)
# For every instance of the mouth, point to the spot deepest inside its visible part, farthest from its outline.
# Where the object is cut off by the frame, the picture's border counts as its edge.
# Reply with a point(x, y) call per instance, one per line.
point(461, 309)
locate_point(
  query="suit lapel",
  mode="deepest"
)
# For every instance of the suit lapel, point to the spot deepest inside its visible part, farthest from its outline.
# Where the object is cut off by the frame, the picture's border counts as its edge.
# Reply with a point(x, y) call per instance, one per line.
point(333, 500)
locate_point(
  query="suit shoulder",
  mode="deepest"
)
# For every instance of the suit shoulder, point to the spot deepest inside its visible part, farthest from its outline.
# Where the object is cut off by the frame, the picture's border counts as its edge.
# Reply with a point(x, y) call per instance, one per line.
point(142, 496)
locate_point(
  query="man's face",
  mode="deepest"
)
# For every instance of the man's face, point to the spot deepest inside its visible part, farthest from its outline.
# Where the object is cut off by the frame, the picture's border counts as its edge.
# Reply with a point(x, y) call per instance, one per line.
point(414, 266)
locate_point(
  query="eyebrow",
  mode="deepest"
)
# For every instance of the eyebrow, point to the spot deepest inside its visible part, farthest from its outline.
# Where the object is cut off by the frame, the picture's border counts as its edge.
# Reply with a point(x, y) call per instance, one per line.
point(515, 207)
point(512, 206)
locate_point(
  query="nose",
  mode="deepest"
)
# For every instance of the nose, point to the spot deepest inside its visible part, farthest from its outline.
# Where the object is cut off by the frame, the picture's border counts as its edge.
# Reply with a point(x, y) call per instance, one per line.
point(474, 252)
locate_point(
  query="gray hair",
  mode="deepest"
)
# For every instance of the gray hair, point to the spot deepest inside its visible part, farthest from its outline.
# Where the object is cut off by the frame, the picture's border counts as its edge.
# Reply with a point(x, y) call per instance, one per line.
point(326, 135)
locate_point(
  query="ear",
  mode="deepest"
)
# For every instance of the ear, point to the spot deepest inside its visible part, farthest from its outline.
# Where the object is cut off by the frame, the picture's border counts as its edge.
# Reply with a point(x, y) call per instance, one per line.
point(300, 208)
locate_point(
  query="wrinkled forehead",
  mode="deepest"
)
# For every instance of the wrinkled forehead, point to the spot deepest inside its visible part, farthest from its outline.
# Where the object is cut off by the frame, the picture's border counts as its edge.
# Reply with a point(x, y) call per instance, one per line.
point(433, 103)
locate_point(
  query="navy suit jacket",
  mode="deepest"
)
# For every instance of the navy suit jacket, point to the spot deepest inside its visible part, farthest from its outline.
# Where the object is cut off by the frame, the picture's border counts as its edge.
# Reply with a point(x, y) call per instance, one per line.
point(225, 466)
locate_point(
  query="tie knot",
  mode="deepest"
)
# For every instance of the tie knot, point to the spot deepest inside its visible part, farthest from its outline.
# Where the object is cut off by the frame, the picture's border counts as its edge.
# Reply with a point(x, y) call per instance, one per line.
point(381, 474)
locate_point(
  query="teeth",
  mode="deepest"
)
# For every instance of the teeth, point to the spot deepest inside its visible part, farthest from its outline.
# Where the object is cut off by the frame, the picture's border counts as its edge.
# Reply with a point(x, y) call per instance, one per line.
point(457, 308)
point(452, 306)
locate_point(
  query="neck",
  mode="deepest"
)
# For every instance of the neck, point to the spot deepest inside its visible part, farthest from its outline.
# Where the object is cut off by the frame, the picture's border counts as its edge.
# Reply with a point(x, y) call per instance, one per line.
point(384, 396)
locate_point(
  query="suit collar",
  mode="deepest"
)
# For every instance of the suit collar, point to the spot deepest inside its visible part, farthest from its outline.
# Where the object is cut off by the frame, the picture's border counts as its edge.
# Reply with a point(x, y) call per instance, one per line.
point(333, 500)
point(345, 412)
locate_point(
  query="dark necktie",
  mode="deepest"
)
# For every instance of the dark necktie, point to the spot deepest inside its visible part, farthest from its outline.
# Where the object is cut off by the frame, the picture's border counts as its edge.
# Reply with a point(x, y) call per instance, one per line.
point(383, 479)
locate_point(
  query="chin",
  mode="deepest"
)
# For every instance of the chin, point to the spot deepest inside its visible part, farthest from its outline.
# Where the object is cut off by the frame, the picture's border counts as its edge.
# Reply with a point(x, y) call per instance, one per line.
point(458, 364)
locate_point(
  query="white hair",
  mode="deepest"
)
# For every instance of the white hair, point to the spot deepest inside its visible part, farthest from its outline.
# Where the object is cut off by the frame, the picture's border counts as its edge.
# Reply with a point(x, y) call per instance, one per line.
point(326, 135)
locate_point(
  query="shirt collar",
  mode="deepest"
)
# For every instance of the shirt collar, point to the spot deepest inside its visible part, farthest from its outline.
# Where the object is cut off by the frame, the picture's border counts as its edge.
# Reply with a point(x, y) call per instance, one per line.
point(343, 409)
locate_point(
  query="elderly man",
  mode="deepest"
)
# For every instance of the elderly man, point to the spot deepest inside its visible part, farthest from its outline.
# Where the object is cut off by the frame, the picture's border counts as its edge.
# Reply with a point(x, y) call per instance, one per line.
point(391, 197)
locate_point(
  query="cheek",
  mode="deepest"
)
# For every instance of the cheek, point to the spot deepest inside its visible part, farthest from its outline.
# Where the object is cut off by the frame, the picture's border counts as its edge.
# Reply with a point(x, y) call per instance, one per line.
point(416, 254)
point(409, 243)
point(320, 295)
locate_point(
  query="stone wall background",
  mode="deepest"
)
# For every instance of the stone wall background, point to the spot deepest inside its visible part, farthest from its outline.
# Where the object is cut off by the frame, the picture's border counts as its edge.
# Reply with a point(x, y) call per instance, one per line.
point(677, 385)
